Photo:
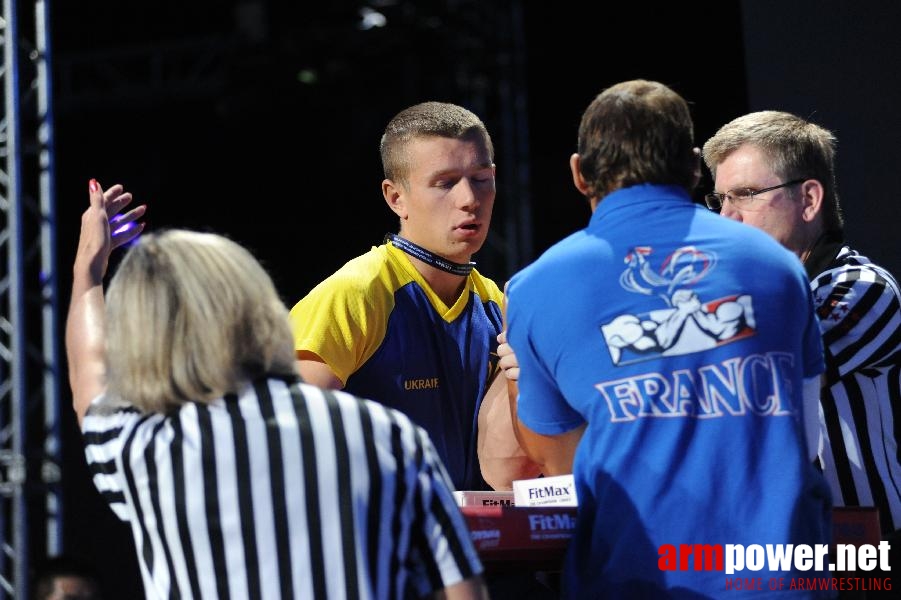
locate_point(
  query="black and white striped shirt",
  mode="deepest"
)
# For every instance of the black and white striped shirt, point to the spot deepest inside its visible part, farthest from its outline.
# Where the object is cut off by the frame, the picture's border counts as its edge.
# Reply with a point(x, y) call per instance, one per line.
point(286, 491)
point(859, 306)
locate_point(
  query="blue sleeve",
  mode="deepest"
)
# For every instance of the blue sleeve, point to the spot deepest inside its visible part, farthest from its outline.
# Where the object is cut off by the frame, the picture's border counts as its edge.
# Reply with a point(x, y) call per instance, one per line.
point(541, 405)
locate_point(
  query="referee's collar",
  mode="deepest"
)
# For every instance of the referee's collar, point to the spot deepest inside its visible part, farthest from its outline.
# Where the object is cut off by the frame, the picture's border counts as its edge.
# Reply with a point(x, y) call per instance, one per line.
point(824, 251)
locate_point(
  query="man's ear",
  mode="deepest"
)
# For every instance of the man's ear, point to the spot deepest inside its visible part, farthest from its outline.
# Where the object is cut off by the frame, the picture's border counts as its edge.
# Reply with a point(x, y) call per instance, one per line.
point(811, 199)
point(579, 181)
point(394, 196)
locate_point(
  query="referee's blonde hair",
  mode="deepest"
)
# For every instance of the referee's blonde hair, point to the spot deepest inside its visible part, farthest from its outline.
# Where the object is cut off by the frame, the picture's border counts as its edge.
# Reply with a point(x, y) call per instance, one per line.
point(189, 317)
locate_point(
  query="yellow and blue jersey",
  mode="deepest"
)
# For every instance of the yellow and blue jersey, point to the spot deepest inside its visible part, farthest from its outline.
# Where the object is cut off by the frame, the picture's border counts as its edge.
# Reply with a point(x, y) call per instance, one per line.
point(387, 336)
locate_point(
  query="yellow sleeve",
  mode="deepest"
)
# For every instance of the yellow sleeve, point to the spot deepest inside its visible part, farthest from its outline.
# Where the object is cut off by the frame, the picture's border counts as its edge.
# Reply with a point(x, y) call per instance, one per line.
point(343, 319)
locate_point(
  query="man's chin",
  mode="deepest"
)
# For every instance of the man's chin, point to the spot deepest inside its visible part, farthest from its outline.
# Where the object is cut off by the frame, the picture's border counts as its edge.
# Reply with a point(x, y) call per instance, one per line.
point(463, 249)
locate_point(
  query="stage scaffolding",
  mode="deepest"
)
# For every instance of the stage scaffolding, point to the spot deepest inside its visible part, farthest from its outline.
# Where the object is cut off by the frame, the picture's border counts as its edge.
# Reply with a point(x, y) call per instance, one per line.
point(30, 503)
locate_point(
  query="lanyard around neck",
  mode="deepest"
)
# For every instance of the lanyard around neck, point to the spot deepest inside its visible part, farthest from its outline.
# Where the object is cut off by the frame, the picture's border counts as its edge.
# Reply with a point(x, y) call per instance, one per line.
point(429, 257)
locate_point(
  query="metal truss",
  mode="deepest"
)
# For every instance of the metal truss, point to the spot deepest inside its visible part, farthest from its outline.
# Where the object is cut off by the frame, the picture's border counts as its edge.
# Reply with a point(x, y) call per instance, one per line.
point(30, 489)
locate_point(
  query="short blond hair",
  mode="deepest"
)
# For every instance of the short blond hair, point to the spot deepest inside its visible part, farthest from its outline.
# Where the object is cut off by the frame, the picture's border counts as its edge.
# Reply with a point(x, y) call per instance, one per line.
point(796, 149)
point(424, 120)
point(191, 316)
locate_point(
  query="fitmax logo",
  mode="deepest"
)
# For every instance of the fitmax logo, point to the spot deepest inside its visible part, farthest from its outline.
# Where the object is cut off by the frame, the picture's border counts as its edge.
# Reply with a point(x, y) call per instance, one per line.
point(553, 522)
point(550, 491)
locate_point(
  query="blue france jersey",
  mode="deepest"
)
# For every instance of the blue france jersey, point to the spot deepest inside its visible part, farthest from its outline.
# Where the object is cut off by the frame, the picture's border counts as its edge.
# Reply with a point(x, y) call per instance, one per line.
point(682, 339)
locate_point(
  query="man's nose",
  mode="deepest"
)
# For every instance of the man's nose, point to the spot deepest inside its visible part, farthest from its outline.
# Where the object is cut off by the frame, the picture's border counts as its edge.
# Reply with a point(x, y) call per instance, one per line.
point(467, 196)
point(730, 212)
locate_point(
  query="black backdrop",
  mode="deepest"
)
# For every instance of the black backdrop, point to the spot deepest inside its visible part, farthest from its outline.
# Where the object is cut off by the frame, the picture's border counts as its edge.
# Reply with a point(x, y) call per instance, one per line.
point(837, 63)
point(275, 144)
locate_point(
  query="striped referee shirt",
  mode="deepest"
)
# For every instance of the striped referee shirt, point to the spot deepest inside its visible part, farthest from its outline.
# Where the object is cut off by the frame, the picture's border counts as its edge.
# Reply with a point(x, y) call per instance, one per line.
point(283, 491)
point(859, 306)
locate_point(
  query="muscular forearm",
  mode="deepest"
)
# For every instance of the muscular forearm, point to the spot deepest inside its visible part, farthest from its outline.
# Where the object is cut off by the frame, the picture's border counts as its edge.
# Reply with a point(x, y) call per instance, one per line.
point(553, 453)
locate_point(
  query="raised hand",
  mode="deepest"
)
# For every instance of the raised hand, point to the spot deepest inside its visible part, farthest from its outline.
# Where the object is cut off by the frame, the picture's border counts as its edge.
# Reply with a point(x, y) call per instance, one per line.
point(103, 228)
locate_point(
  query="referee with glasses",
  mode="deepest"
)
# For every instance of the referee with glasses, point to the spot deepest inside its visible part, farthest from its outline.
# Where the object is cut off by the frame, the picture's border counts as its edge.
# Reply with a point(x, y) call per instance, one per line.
point(237, 480)
point(776, 171)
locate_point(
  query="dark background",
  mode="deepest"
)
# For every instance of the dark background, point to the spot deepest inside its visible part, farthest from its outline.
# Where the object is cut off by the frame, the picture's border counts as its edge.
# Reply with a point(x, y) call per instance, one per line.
point(261, 120)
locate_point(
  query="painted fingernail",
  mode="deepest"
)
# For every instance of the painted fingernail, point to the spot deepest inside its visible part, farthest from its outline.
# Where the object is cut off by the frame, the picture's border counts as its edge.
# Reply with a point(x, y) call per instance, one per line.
point(93, 186)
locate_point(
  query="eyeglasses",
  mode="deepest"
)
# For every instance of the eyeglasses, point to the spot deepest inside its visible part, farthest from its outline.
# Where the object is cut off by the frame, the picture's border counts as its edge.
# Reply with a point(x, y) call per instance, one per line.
point(742, 198)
